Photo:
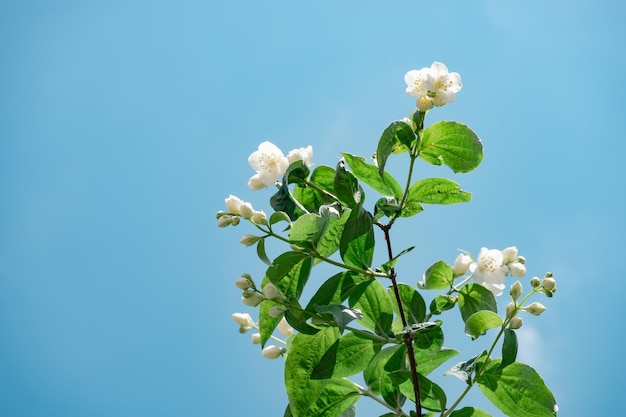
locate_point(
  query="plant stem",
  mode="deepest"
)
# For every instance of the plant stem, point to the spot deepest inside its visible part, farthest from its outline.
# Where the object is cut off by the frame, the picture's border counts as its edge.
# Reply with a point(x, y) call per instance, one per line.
point(408, 336)
point(366, 392)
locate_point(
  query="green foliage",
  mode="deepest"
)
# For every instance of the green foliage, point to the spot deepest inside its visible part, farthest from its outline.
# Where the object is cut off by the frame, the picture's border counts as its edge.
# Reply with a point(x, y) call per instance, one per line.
point(452, 144)
point(517, 390)
point(360, 320)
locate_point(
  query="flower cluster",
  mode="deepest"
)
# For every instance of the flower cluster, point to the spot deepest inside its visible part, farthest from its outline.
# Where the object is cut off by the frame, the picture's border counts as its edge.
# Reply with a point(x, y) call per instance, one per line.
point(235, 208)
point(491, 267)
point(245, 322)
point(547, 286)
point(270, 163)
point(433, 86)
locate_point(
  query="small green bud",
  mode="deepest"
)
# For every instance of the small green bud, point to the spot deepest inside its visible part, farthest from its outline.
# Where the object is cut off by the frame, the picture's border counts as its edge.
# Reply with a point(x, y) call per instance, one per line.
point(535, 282)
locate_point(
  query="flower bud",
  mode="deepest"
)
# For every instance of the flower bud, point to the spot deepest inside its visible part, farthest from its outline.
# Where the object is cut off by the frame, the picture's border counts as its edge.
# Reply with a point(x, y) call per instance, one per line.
point(516, 290)
point(272, 352)
point(535, 309)
point(515, 323)
point(509, 254)
point(535, 282)
point(461, 264)
point(549, 284)
point(256, 338)
point(517, 269)
point(234, 220)
point(251, 298)
point(244, 320)
point(511, 310)
point(224, 220)
point(270, 291)
point(246, 211)
point(284, 328)
point(276, 311)
point(259, 217)
point(233, 204)
point(249, 240)
point(244, 282)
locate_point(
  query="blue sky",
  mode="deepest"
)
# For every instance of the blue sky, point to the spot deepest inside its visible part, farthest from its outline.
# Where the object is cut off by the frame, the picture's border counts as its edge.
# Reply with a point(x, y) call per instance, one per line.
point(125, 124)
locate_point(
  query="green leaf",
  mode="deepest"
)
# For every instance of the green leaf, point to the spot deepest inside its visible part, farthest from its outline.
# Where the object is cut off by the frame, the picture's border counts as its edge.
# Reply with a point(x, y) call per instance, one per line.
point(307, 230)
point(297, 172)
point(376, 306)
point(281, 201)
point(517, 390)
point(452, 144)
point(465, 370)
point(279, 216)
point(298, 320)
point(429, 351)
point(324, 177)
point(397, 138)
point(347, 188)
point(348, 356)
point(413, 304)
point(261, 253)
point(336, 289)
point(387, 206)
point(481, 321)
point(284, 264)
point(442, 303)
point(336, 400)
point(330, 240)
point(305, 353)
point(387, 266)
point(437, 191)
point(370, 175)
point(357, 241)
point(509, 347)
point(469, 412)
point(437, 277)
point(339, 314)
point(474, 298)
point(377, 374)
point(432, 397)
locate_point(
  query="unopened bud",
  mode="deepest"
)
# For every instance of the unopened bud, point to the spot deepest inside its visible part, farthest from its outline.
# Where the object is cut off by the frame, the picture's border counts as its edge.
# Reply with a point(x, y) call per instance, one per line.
point(549, 284)
point(461, 264)
point(256, 338)
point(276, 311)
point(272, 352)
point(251, 298)
point(249, 240)
point(535, 309)
point(509, 254)
point(270, 291)
point(234, 221)
point(233, 204)
point(511, 310)
point(284, 328)
point(246, 211)
point(535, 282)
point(224, 220)
point(259, 217)
point(244, 282)
point(515, 323)
point(517, 269)
point(516, 290)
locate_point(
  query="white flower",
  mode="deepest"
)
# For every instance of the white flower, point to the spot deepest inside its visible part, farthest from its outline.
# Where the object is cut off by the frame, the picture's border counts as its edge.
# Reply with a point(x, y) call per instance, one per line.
point(489, 271)
point(433, 86)
point(301, 154)
point(284, 328)
point(246, 211)
point(441, 84)
point(461, 264)
point(269, 163)
point(245, 321)
point(272, 352)
point(233, 204)
point(415, 88)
